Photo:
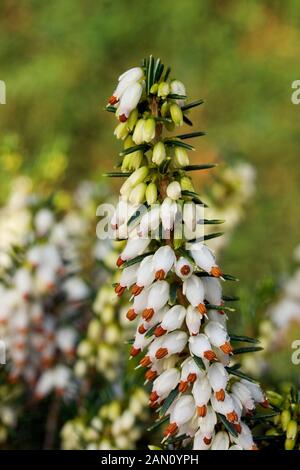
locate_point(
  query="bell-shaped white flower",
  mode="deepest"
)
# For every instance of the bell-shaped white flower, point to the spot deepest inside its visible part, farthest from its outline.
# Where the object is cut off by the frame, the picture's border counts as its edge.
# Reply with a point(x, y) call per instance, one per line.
point(243, 394)
point(158, 296)
point(193, 289)
point(213, 290)
point(140, 342)
point(218, 379)
point(163, 261)
point(217, 316)
point(23, 282)
point(75, 289)
point(207, 423)
point(128, 277)
point(165, 383)
point(173, 343)
point(201, 347)
point(183, 268)
point(134, 247)
point(178, 88)
point(174, 190)
point(225, 407)
point(256, 392)
point(193, 320)
point(125, 80)
point(172, 320)
point(144, 276)
point(149, 222)
point(139, 305)
point(189, 373)
point(220, 441)
point(66, 340)
point(218, 336)
point(201, 393)
point(201, 441)
point(43, 221)
point(182, 412)
point(205, 259)
point(245, 439)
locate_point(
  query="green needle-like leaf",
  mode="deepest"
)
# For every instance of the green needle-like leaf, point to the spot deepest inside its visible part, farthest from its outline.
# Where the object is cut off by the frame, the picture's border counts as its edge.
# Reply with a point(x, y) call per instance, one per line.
point(229, 426)
point(116, 174)
point(247, 350)
point(137, 259)
point(245, 339)
point(158, 423)
point(134, 149)
point(191, 135)
point(199, 167)
point(191, 105)
point(239, 374)
point(168, 401)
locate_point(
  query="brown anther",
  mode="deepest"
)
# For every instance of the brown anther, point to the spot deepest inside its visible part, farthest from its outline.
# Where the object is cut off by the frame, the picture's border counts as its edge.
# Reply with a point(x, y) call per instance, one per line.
point(150, 375)
point(209, 355)
point(220, 395)
point(201, 411)
point(183, 386)
point(216, 271)
point(185, 270)
point(120, 261)
point(170, 429)
point(136, 290)
point(191, 378)
point(148, 313)
point(254, 447)
point(161, 352)
point(160, 275)
point(159, 331)
point(226, 348)
point(145, 362)
point(141, 329)
point(202, 309)
point(232, 416)
point(265, 403)
point(238, 428)
point(122, 118)
point(119, 290)
point(113, 100)
point(134, 351)
point(131, 314)
point(153, 396)
point(207, 440)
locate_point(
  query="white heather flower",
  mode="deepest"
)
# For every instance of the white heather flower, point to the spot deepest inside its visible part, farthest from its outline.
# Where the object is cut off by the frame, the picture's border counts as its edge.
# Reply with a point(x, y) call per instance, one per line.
point(172, 320)
point(225, 407)
point(218, 336)
point(23, 282)
point(240, 391)
point(182, 412)
point(139, 305)
point(193, 289)
point(157, 318)
point(183, 268)
point(201, 392)
point(189, 373)
point(129, 101)
point(220, 441)
point(201, 347)
point(193, 320)
point(122, 213)
point(174, 190)
point(213, 290)
point(144, 276)
point(164, 384)
point(62, 377)
point(45, 384)
point(205, 259)
point(168, 211)
point(134, 247)
point(173, 343)
point(201, 441)
point(43, 221)
point(244, 438)
point(158, 296)
point(207, 423)
point(163, 261)
point(218, 379)
point(127, 279)
point(256, 392)
point(140, 342)
point(66, 340)
point(217, 316)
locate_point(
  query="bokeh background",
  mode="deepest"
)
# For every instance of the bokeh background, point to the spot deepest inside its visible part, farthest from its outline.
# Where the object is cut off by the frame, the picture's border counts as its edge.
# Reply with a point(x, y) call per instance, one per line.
point(60, 60)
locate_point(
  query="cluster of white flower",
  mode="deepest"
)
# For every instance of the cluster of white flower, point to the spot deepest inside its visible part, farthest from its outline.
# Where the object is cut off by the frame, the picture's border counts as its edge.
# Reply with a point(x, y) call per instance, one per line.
point(114, 426)
point(176, 286)
point(40, 293)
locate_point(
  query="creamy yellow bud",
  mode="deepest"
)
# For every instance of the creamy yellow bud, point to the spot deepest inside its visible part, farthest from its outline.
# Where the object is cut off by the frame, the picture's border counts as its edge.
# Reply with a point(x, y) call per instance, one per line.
point(174, 190)
point(80, 368)
point(138, 132)
point(170, 126)
point(94, 330)
point(149, 130)
point(285, 418)
point(132, 161)
point(151, 193)
point(181, 158)
point(138, 176)
point(165, 108)
point(163, 89)
point(121, 131)
point(176, 114)
point(137, 194)
point(186, 184)
point(84, 349)
point(128, 142)
point(289, 444)
point(154, 89)
point(158, 153)
point(292, 430)
point(125, 189)
point(132, 120)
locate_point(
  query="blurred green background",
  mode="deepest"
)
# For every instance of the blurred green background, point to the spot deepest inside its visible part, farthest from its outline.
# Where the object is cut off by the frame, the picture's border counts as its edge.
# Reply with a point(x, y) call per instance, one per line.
point(60, 60)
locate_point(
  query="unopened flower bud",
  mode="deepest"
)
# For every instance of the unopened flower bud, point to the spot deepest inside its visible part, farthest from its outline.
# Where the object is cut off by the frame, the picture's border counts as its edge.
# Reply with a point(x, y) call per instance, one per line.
point(181, 158)
point(186, 184)
point(285, 418)
point(138, 132)
point(132, 120)
point(154, 89)
point(176, 114)
point(137, 194)
point(151, 193)
point(159, 153)
point(174, 190)
point(121, 131)
point(292, 430)
point(165, 109)
point(163, 89)
point(137, 177)
point(149, 130)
